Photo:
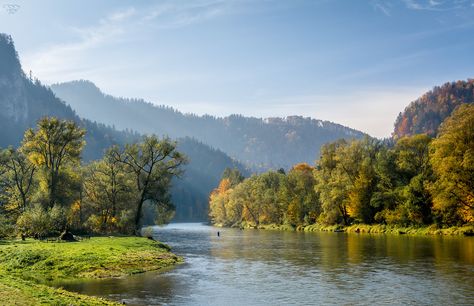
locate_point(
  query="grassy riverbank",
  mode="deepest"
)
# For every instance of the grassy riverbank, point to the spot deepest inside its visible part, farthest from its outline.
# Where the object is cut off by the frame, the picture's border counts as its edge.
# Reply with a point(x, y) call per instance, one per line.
point(26, 265)
point(467, 230)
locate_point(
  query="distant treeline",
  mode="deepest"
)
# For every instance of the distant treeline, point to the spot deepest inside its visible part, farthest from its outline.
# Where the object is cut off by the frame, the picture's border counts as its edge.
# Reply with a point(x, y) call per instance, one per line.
point(416, 180)
point(45, 189)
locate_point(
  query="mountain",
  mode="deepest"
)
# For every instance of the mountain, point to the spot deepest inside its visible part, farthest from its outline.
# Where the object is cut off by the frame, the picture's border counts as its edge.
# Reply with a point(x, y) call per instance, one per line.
point(260, 143)
point(425, 114)
point(23, 101)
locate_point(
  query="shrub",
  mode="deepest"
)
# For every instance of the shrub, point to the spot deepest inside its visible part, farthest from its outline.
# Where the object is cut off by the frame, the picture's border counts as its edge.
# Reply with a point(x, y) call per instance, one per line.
point(40, 222)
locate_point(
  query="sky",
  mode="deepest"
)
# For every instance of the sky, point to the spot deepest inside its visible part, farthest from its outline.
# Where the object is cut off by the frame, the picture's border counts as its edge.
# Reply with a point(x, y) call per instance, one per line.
point(357, 63)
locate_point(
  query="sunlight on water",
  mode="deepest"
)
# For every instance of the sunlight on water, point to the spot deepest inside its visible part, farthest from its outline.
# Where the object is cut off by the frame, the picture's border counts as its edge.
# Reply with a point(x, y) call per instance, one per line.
point(257, 267)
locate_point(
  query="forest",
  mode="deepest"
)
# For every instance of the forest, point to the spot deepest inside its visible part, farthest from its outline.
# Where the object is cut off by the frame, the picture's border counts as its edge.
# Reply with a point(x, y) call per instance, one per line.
point(414, 180)
point(47, 189)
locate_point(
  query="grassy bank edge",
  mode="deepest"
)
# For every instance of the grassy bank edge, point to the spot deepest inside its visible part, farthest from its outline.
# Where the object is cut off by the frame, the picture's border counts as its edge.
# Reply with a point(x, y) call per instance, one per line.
point(467, 230)
point(23, 264)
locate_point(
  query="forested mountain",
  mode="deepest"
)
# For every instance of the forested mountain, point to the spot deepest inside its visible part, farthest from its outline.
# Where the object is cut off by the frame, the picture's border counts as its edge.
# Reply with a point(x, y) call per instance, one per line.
point(24, 101)
point(260, 143)
point(425, 114)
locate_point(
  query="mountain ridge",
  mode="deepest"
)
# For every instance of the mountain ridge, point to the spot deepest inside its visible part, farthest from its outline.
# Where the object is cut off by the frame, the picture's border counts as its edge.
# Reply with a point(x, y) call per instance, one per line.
point(250, 140)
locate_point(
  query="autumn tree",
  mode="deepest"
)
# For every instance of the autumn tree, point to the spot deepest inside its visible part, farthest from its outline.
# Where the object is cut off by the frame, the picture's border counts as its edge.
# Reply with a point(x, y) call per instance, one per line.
point(304, 205)
point(452, 157)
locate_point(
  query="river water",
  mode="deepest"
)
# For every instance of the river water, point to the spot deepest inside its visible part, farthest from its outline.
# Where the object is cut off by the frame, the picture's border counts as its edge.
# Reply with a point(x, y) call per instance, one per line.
point(261, 267)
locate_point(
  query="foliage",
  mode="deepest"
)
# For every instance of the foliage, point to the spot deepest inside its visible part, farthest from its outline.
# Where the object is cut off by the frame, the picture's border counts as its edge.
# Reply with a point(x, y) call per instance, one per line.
point(53, 146)
point(45, 189)
point(416, 182)
point(424, 115)
point(152, 163)
point(452, 158)
point(17, 174)
point(108, 189)
point(40, 222)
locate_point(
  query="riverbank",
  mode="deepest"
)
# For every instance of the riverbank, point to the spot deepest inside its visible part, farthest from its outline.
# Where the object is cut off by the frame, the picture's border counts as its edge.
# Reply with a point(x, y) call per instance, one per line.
point(26, 267)
point(467, 230)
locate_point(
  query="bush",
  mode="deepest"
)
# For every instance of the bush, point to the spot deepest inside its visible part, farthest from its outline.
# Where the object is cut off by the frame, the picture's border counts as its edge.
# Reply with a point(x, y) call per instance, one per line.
point(40, 222)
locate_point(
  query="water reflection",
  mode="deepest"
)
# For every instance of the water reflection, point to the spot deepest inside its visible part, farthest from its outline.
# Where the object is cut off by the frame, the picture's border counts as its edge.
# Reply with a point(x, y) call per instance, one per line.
point(270, 267)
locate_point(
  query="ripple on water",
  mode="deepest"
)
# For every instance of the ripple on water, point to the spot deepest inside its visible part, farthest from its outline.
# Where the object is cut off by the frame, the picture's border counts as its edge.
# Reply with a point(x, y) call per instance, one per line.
point(254, 267)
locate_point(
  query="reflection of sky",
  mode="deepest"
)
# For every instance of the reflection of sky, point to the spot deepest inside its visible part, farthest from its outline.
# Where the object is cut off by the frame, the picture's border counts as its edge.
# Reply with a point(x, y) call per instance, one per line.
point(354, 62)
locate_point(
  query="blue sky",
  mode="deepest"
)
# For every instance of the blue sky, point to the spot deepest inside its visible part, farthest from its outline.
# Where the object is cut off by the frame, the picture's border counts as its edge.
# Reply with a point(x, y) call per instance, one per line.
point(354, 62)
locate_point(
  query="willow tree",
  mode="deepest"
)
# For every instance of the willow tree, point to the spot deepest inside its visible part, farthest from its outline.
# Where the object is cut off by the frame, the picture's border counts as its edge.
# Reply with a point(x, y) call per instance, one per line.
point(153, 163)
point(52, 146)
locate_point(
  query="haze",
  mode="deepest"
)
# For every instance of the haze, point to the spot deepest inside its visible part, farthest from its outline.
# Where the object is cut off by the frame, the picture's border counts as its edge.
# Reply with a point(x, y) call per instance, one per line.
point(357, 63)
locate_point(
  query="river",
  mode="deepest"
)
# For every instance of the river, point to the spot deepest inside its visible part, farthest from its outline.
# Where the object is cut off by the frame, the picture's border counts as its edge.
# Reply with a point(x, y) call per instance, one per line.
point(261, 267)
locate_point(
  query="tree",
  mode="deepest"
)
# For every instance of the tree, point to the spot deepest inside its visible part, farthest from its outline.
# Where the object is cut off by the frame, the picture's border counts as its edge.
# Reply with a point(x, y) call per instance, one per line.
point(108, 189)
point(52, 146)
point(452, 158)
point(346, 181)
point(332, 184)
point(218, 201)
point(415, 172)
point(19, 178)
point(404, 173)
point(153, 163)
point(233, 175)
point(304, 205)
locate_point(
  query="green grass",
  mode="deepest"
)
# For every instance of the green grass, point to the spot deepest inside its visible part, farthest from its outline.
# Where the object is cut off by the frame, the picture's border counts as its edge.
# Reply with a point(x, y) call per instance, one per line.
point(17, 291)
point(372, 229)
point(25, 266)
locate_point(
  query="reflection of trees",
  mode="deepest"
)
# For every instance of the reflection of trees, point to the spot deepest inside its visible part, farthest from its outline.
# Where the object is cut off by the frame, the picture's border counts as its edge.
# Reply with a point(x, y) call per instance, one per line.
point(341, 256)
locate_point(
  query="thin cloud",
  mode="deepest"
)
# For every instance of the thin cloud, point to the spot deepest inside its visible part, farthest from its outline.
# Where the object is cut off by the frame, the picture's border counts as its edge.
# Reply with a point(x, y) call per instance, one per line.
point(437, 5)
point(65, 60)
point(382, 6)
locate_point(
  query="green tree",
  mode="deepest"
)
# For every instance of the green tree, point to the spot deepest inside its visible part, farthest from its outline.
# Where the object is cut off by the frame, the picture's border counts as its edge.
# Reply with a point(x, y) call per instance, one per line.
point(332, 184)
point(404, 176)
point(452, 157)
point(153, 163)
point(346, 181)
point(18, 178)
point(52, 147)
point(108, 189)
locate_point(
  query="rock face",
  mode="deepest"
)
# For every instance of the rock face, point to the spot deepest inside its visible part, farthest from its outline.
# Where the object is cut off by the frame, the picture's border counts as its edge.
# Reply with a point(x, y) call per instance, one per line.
point(13, 100)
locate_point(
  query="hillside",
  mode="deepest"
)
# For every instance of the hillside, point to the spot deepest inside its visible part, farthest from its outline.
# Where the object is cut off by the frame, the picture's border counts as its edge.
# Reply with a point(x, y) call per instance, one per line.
point(260, 143)
point(425, 114)
point(24, 101)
